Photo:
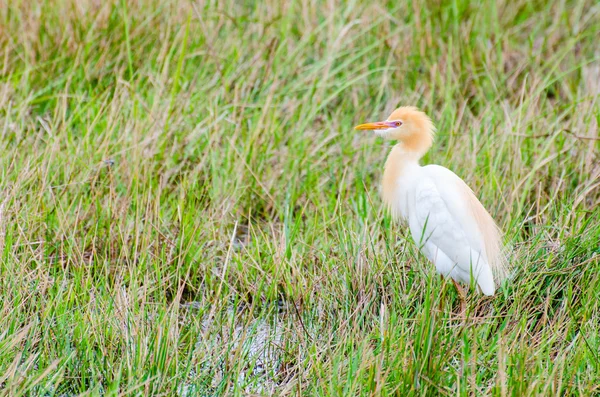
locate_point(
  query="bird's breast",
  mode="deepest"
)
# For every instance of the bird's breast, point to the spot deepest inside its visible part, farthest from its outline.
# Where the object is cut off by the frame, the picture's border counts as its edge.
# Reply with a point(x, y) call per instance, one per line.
point(397, 187)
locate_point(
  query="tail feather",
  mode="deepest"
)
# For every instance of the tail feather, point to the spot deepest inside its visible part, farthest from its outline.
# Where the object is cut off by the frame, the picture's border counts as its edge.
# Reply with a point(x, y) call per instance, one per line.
point(495, 252)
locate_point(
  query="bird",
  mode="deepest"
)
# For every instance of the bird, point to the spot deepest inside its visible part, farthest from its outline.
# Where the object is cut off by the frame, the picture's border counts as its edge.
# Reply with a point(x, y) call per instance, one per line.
point(446, 220)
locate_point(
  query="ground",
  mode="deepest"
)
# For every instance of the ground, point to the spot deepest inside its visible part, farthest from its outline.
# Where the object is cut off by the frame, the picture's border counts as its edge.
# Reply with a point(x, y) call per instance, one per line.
point(186, 209)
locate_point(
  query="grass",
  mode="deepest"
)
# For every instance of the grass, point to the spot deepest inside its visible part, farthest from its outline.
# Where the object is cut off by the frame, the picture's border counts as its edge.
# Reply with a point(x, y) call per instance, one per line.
point(186, 209)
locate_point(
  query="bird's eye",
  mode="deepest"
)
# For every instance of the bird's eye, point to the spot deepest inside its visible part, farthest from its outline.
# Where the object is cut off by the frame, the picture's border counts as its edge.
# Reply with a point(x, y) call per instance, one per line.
point(397, 123)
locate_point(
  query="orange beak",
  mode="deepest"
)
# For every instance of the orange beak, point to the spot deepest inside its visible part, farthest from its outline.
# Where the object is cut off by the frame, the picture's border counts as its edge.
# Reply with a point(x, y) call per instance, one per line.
point(380, 125)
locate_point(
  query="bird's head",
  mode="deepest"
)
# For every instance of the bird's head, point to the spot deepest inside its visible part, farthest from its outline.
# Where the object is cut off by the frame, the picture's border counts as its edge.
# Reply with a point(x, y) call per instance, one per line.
point(406, 124)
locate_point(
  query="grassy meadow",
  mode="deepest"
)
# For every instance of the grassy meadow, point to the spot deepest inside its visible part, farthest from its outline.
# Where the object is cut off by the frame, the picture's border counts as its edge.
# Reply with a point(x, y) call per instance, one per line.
point(187, 211)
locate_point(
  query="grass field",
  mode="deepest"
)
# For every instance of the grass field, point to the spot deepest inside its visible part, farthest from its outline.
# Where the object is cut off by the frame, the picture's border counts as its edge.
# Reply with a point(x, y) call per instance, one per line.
point(186, 209)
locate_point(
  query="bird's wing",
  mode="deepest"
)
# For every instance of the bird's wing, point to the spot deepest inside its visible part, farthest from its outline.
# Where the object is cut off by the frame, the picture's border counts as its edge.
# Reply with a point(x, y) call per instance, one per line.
point(480, 228)
point(450, 217)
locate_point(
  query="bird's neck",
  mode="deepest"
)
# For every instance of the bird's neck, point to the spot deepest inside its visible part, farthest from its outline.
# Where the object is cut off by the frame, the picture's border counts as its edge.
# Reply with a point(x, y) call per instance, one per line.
point(417, 142)
point(400, 162)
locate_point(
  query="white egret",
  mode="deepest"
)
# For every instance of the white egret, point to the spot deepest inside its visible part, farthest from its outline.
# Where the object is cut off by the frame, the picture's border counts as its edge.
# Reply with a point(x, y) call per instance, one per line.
point(446, 220)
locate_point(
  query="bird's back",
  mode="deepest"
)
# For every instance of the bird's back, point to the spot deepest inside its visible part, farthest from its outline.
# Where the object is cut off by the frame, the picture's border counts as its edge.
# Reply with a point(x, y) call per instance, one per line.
point(451, 218)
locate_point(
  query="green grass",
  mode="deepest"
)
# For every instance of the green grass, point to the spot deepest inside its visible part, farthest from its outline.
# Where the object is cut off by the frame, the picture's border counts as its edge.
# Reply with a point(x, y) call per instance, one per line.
point(186, 209)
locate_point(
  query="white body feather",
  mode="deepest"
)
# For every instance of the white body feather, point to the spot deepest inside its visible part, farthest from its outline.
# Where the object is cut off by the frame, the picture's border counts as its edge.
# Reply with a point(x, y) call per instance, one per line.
point(432, 199)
